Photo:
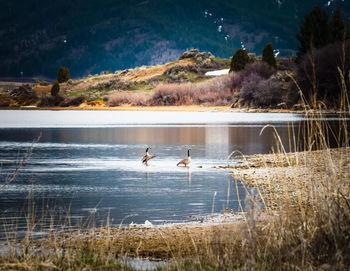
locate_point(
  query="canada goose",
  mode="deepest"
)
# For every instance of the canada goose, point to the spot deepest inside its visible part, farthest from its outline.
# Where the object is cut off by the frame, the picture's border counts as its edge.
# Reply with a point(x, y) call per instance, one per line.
point(147, 157)
point(186, 160)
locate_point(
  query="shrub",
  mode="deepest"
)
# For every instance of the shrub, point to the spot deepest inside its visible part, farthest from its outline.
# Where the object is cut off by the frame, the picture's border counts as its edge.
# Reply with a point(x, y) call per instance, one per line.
point(259, 92)
point(63, 74)
point(51, 101)
point(259, 67)
point(55, 88)
point(269, 93)
point(268, 56)
point(239, 60)
point(123, 97)
point(173, 94)
point(74, 101)
point(25, 92)
point(216, 91)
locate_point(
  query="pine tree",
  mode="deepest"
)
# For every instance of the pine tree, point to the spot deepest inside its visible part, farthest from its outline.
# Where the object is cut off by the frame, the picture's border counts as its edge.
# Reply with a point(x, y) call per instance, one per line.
point(63, 74)
point(55, 89)
point(315, 30)
point(239, 60)
point(268, 56)
point(338, 26)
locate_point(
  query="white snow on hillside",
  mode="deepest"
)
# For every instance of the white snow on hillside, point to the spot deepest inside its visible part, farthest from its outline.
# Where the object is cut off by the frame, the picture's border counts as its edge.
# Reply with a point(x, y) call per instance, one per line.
point(217, 72)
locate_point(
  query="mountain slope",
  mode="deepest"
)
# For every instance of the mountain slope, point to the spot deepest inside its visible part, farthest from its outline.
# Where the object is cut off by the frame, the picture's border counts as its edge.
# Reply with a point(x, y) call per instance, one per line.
point(89, 36)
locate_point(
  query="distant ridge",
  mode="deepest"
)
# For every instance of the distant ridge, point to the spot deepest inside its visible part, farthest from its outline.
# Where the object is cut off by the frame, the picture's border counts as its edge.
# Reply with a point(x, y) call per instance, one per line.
point(90, 36)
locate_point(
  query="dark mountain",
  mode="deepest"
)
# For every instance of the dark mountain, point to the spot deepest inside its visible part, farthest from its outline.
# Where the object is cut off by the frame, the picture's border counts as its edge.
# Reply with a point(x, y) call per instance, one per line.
point(89, 36)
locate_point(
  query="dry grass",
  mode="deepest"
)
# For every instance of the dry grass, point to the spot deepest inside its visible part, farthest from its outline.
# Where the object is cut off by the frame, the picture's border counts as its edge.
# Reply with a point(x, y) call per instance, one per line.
point(150, 72)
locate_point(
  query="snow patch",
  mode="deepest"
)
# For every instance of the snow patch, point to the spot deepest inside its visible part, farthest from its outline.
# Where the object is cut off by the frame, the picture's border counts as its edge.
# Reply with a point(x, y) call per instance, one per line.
point(217, 72)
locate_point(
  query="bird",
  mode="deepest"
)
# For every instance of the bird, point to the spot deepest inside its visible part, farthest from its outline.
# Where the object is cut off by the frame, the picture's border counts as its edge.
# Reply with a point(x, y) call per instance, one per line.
point(147, 157)
point(186, 160)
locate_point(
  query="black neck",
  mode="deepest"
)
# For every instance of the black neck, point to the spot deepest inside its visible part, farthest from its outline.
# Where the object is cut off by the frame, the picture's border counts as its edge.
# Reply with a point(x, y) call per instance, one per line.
point(188, 153)
point(147, 149)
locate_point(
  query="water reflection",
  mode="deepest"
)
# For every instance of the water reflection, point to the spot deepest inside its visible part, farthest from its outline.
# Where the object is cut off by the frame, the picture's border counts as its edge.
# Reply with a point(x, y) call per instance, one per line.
point(220, 141)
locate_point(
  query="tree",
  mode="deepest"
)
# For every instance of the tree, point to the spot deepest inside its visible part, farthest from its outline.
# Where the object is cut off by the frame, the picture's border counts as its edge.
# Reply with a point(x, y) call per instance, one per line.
point(239, 60)
point(315, 31)
point(55, 89)
point(63, 74)
point(338, 26)
point(268, 55)
point(325, 75)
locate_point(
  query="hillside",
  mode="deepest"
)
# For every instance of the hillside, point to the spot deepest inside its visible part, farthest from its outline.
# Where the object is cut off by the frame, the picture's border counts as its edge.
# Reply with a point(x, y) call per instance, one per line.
point(91, 36)
point(96, 89)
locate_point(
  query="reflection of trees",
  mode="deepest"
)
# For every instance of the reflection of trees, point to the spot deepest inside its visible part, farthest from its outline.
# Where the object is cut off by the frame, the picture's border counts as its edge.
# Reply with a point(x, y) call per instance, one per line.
point(219, 141)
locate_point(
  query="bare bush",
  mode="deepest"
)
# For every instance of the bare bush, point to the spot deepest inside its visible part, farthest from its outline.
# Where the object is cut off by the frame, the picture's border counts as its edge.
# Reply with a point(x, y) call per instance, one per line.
point(119, 98)
point(259, 92)
point(261, 68)
point(237, 79)
point(216, 91)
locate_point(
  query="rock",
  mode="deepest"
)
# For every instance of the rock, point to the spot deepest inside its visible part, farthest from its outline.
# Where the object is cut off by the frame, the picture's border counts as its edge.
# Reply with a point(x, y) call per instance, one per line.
point(189, 54)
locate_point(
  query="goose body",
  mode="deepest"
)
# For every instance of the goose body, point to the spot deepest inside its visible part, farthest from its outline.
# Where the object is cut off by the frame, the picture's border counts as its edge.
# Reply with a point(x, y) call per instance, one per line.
point(186, 160)
point(147, 157)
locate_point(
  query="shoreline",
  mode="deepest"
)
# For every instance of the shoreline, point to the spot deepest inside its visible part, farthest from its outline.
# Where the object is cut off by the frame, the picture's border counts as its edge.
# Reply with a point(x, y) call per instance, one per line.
point(189, 108)
point(185, 108)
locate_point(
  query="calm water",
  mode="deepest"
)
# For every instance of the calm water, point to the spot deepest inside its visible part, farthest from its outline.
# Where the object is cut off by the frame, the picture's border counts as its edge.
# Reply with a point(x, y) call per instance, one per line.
point(87, 163)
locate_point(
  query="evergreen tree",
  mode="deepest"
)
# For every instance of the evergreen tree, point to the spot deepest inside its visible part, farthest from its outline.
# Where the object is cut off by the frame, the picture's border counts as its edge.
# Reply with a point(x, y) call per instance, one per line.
point(338, 26)
point(55, 89)
point(315, 31)
point(239, 60)
point(268, 55)
point(63, 74)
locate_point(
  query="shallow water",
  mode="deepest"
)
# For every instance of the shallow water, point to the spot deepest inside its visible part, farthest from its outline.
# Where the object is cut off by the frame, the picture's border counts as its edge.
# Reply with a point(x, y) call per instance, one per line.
point(87, 164)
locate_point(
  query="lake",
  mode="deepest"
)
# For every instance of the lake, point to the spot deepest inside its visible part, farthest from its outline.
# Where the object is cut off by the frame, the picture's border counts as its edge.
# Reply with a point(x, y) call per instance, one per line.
point(87, 164)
